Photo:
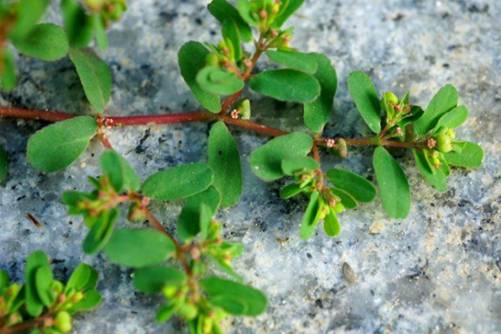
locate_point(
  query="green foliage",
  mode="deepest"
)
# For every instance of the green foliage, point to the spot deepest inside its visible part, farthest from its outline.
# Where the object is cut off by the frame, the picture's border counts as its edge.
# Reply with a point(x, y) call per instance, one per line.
point(8, 74)
point(219, 82)
point(445, 100)
point(355, 185)
point(43, 304)
point(155, 278)
point(266, 161)
point(28, 14)
point(138, 248)
point(393, 184)
point(101, 230)
point(311, 216)
point(233, 297)
point(366, 99)
point(318, 112)
point(78, 25)
point(192, 57)
point(58, 145)
point(189, 221)
point(4, 164)
point(224, 11)
point(45, 41)
point(224, 159)
point(181, 268)
point(178, 182)
point(304, 62)
point(465, 154)
point(121, 175)
point(286, 85)
point(95, 76)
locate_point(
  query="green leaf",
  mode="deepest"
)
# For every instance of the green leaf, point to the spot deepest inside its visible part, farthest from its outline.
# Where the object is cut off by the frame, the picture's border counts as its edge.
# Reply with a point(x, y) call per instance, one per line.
point(100, 31)
point(332, 227)
point(445, 100)
point(166, 312)
point(452, 119)
point(46, 41)
point(347, 200)
point(4, 164)
point(295, 165)
point(43, 283)
point(217, 81)
point(318, 112)
point(83, 278)
point(233, 297)
point(100, 232)
point(78, 25)
point(178, 182)
point(246, 12)
point(231, 35)
point(393, 184)
point(4, 280)
point(189, 224)
point(290, 7)
point(192, 58)
point(58, 145)
point(355, 185)
point(35, 260)
point(90, 301)
point(95, 76)
point(222, 11)
point(366, 99)
point(266, 161)
point(311, 217)
point(469, 155)
point(224, 159)
point(8, 75)
point(290, 191)
point(138, 248)
point(437, 178)
point(304, 62)
point(122, 176)
point(286, 85)
point(29, 12)
point(153, 279)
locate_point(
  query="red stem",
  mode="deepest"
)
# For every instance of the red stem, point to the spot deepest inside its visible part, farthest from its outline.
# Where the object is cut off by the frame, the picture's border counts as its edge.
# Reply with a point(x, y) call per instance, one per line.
point(196, 116)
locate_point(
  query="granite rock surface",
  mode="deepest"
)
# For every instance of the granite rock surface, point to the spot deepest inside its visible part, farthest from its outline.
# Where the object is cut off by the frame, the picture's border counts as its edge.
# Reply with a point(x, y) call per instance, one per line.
point(438, 271)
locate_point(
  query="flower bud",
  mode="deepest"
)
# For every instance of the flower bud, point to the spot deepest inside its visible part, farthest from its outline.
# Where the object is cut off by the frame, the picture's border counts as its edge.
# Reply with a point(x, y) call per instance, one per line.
point(213, 59)
point(342, 148)
point(78, 296)
point(136, 213)
point(169, 291)
point(339, 207)
point(63, 322)
point(245, 109)
point(390, 98)
point(188, 311)
point(444, 141)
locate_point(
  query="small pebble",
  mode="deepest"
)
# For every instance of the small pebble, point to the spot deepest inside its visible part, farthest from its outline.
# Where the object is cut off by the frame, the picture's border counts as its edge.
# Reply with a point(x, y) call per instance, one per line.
point(348, 273)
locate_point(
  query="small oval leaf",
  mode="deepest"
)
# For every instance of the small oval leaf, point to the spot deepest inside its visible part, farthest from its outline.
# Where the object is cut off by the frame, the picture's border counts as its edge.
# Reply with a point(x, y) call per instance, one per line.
point(286, 85)
point(357, 186)
point(138, 248)
point(45, 41)
point(178, 182)
point(233, 297)
point(58, 145)
point(224, 159)
point(366, 99)
point(393, 184)
point(95, 76)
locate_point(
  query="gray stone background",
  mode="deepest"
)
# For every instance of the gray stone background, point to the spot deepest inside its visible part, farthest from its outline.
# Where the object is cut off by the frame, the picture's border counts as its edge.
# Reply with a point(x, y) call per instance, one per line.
point(438, 271)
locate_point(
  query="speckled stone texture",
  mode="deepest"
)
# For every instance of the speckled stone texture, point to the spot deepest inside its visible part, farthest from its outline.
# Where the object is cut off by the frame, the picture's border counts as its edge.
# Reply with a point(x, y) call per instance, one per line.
point(438, 271)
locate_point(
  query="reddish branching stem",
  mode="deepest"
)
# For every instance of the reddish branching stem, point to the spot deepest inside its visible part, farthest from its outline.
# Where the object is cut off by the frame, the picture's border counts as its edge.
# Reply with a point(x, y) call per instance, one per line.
point(196, 116)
